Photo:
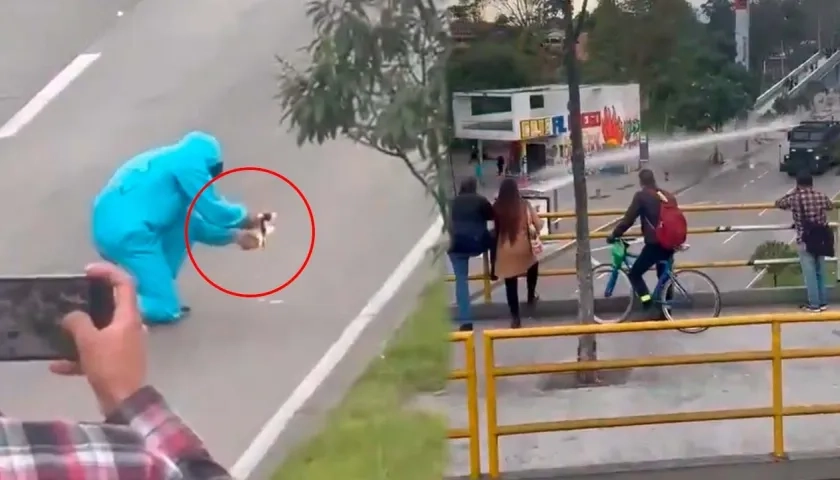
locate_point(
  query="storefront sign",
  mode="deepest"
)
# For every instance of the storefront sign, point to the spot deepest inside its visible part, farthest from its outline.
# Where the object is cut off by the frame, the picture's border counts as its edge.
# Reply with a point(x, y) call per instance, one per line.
point(535, 128)
point(558, 125)
point(590, 119)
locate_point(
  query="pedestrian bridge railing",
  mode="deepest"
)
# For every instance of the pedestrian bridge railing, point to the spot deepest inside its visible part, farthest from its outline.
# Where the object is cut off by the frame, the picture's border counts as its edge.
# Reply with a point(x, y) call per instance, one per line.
point(775, 354)
point(470, 375)
point(487, 286)
point(774, 90)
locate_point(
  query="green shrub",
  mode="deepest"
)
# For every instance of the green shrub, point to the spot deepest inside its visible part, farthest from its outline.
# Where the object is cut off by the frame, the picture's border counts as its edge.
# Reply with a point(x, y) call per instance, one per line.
point(773, 249)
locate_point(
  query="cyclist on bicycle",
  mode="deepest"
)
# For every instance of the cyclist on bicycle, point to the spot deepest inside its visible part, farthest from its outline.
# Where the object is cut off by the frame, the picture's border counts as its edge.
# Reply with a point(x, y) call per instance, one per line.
point(663, 229)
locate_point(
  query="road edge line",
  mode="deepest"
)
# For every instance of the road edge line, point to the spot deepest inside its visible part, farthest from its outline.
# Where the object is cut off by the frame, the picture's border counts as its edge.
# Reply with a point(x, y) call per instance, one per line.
point(273, 428)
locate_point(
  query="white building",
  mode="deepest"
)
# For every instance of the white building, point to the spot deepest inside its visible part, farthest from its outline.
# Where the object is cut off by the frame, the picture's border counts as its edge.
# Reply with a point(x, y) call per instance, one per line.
point(531, 124)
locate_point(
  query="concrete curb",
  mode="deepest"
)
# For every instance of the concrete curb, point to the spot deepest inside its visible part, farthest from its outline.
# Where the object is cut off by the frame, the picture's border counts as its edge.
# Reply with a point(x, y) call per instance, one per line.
point(552, 309)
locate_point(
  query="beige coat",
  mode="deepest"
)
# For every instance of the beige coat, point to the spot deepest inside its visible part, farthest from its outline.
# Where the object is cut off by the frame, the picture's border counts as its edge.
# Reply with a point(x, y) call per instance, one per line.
point(514, 259)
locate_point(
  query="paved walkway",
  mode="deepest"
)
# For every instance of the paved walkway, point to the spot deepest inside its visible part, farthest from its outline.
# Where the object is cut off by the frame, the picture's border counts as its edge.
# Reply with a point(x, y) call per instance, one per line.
point(648, 391)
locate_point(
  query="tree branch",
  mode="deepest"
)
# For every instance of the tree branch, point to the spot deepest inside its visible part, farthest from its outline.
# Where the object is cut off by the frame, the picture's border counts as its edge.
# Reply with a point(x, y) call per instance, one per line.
point(581, 18)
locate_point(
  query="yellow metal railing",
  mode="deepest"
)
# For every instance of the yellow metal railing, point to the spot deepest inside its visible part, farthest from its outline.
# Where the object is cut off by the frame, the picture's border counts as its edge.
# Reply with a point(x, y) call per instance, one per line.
point(487, 286)
point(776, 354)
point(468, 373)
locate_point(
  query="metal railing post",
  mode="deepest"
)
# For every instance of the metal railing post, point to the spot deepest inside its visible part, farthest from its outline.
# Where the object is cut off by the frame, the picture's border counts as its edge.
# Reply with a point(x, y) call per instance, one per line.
point(837, 247)
point(493, 466)
point(778, 404)
point(472, 408)
point(487, 287)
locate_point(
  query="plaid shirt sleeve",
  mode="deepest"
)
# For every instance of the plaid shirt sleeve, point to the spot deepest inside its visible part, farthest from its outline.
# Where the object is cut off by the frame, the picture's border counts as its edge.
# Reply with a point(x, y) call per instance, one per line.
point(784, 203)
point(143, 440)
point(827, 203)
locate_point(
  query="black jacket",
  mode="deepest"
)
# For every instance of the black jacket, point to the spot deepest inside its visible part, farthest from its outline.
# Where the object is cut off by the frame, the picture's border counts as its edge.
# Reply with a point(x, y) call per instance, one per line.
point(645, 207)
point(470, 214)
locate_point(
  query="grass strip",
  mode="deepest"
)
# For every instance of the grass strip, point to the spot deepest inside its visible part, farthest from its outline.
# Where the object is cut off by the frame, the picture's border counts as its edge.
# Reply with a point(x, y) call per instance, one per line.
point(375, 433)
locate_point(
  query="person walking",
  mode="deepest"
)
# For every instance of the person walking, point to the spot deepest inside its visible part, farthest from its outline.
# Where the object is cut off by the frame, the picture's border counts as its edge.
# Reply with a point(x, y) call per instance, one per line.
point(814, 237)
point(469, 238)
point(478, 165)
point(500, 166)
point(517, 227)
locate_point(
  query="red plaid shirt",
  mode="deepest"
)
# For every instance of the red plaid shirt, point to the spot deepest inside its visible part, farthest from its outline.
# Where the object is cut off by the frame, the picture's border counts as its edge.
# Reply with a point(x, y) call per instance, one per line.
point(813, 203)
point(143, 440)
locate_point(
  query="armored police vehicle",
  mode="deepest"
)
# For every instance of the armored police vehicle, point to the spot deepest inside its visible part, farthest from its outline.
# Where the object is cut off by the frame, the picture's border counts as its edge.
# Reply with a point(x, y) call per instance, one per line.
point(814, 146)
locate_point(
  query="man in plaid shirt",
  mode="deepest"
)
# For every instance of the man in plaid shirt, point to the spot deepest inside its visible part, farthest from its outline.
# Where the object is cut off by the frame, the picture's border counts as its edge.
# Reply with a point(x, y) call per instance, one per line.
point(141, 438)
point(814, 205)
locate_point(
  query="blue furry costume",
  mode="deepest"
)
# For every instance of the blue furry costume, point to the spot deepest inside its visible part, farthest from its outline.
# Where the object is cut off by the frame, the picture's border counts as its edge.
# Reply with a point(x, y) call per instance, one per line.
point(138, 218)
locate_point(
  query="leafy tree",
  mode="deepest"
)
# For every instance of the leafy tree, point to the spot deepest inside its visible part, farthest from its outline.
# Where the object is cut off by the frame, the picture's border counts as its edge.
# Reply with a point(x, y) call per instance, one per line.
point(490, 65)
point(468, 10)
point(772, 250)
point(776, 27)
point(711, 101)
point(721, 25)
point(525, 13)
point(377, 78)
point(608, 48)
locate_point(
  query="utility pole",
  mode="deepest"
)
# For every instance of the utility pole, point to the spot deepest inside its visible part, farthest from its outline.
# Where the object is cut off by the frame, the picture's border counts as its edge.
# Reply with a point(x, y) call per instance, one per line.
point(819, 34)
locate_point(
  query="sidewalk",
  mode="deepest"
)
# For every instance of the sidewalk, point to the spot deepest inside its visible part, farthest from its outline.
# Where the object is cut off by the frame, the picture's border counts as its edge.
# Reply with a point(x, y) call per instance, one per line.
point(547, 397)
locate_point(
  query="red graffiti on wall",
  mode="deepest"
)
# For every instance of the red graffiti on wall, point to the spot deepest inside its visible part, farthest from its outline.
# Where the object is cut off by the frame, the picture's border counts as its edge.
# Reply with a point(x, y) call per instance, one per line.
point(612, 127)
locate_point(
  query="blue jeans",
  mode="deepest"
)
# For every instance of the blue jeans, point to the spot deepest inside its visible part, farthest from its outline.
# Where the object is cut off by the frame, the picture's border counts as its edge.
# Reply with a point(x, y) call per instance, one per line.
point(813, 276)
point(461, 270)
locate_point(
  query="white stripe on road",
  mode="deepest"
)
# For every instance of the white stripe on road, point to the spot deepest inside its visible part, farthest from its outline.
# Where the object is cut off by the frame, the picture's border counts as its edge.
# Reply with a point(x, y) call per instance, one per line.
point(274, 427)
point(47, 94)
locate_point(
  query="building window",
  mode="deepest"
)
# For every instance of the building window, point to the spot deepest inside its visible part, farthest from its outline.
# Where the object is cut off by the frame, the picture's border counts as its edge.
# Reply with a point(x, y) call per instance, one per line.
point(487, 104)
point(537, 101)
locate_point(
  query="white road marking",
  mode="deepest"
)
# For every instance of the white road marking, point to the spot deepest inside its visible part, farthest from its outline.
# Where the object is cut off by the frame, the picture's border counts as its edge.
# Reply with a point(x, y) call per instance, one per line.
point(730, 237)
point(762, 212)
point(47, 94)
point(274, 427)
point(762, 175)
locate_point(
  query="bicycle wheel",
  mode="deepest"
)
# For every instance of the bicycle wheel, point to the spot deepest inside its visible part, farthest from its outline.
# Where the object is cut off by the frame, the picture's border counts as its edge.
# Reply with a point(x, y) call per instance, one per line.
point(682, 300)
point(614, 297)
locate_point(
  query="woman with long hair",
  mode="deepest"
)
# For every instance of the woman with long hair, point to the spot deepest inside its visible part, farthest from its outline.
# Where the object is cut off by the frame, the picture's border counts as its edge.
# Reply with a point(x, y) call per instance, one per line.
point(515, 220)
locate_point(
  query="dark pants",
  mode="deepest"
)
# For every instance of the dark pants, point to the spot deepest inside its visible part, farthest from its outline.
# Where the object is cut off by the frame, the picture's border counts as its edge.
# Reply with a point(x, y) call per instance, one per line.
point(650, 255)
point(512, 289)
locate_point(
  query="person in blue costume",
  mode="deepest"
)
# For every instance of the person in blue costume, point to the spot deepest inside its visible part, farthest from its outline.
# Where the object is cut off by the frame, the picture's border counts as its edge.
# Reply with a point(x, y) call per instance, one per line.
point(138, 219)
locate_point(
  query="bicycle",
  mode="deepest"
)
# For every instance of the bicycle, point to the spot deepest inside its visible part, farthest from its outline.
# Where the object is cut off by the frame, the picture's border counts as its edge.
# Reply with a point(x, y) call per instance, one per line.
point(669, 281)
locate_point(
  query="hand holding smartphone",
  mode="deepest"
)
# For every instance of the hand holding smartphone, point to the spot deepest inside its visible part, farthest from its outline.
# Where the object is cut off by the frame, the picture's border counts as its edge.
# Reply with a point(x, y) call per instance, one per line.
point(32, 308)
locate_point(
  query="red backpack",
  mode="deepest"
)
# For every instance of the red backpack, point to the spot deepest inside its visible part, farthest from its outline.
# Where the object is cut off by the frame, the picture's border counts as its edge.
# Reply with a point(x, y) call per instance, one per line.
point(672, 229)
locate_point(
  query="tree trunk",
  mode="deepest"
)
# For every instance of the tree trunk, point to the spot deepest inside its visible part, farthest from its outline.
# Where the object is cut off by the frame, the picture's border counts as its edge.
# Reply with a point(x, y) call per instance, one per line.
point(587, 349)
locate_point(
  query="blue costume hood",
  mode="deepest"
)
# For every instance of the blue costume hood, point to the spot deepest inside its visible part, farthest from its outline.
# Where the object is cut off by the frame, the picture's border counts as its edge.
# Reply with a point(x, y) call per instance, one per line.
point(205, 146)
point(140, 216)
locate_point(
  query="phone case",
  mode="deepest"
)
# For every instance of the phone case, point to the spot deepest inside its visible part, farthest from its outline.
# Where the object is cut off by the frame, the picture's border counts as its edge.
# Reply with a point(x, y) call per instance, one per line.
point(31, 310)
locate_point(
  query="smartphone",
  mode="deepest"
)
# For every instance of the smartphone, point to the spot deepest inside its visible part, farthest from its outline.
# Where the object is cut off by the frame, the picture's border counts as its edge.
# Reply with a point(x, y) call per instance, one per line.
point(31, 309)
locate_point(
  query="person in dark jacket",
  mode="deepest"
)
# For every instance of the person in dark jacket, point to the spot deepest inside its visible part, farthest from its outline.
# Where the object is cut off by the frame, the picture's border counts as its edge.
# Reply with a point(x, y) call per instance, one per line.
point(469, 238)
point(645, 207)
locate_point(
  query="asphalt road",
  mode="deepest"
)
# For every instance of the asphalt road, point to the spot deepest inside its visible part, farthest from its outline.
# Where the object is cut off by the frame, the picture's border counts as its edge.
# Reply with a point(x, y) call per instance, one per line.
point(37, 39)
point(167, 68)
